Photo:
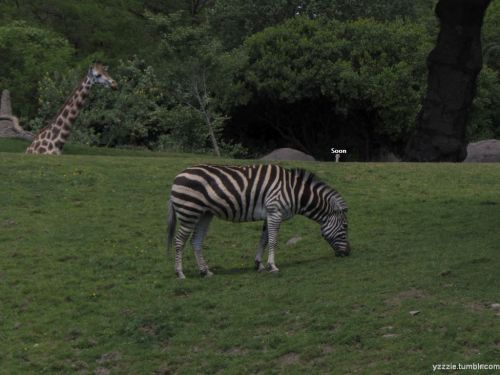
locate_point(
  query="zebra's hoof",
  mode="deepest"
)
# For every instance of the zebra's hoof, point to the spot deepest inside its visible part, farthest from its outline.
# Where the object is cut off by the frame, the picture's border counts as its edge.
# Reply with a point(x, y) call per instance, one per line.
point(180, 275)
point(259, 266)
point(206, 273)
point(271, 268)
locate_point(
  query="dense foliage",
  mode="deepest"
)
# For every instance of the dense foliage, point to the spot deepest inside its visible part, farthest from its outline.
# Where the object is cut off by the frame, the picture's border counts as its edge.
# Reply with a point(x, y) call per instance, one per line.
point(130, 116)
point(234, 76)
point(353, 67)
point(26, 54)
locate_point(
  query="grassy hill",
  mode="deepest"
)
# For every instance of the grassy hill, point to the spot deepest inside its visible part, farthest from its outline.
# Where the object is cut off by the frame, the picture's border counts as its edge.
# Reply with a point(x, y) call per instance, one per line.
point(85, 285)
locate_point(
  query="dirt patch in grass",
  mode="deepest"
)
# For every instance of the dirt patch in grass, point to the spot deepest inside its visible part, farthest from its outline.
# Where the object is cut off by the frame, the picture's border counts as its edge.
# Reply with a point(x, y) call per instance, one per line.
point(102, 371)
point(327, 349)
point(410, 294)
point(163, 370)
point(108, 363)
point(390, 335)
point(109, 358)
point(289, 359)
point(476, 306)
point(237, 351)
point(78, 366)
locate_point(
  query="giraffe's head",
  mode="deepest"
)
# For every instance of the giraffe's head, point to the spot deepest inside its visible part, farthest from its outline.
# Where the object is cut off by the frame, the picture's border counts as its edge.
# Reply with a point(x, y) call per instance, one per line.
point(99, 74)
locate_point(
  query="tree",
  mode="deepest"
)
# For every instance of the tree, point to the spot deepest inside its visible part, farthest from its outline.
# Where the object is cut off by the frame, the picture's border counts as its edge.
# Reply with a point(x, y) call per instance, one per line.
point(110, 30)
point(27, 53)
point(314, 85)
point(491, 36)
point(194, 69)
point(132, 116)
point(484, 122)
point(485, 115)
point(381, 10)
point(453, 66)
point(234, 20)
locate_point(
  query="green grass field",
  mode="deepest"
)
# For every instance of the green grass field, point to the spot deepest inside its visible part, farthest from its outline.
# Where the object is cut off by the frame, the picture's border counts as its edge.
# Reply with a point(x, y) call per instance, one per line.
point(86, 288)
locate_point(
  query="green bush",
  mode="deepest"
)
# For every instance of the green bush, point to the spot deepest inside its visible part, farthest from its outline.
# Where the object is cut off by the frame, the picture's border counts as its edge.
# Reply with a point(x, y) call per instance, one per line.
point(142, 113)
point(484, 120)
point(371, 73)
point(186, 131)
point(129, 116)
point(27, 53)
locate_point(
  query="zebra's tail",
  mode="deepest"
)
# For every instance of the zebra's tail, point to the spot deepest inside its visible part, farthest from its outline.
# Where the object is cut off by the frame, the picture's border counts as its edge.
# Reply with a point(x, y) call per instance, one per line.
point(171, 223)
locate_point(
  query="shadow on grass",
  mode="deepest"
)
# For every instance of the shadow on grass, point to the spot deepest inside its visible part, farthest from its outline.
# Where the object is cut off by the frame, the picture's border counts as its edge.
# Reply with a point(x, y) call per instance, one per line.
point(220, 270)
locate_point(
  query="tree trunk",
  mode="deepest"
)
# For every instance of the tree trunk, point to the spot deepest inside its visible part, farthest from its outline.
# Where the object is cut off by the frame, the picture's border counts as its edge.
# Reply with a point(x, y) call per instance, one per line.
point(211, 133)
point(453, 67)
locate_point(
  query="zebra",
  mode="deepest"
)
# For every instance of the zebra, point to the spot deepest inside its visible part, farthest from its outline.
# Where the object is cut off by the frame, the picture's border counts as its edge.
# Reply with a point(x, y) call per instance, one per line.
point(248, 193)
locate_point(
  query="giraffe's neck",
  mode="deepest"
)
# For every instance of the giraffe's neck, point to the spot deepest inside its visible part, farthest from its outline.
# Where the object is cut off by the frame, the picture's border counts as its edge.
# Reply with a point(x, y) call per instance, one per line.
point(51, 139)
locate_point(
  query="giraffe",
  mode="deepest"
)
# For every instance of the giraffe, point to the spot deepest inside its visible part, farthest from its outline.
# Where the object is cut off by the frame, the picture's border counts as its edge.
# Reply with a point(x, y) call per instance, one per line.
point(51, 139)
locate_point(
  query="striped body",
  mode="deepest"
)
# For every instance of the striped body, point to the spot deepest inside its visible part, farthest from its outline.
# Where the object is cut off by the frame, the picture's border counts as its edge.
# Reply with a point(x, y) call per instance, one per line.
point(248, 193)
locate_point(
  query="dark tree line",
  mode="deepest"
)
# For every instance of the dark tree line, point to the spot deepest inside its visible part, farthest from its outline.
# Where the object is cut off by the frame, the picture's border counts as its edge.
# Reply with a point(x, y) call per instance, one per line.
point(245, 76)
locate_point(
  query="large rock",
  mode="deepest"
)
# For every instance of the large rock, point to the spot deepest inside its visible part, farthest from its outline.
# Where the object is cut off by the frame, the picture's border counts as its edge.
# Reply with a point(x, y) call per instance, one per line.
point(287, 154)
point(10, 128)
point(9, 124)
point(5, 104)
point(487, 151)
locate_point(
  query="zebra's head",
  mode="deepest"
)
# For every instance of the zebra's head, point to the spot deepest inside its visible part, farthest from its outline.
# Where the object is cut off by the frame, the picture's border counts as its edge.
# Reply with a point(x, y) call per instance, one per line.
point(334, 228)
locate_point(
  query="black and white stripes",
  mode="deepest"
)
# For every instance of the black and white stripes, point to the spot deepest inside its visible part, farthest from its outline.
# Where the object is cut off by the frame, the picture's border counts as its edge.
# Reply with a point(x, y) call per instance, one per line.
point(248, 193)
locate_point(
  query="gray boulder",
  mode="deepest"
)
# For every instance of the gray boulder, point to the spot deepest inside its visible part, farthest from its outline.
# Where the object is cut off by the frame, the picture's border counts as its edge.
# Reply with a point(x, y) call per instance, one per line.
point(287, 154)
point(9, 124)
point(487, 151)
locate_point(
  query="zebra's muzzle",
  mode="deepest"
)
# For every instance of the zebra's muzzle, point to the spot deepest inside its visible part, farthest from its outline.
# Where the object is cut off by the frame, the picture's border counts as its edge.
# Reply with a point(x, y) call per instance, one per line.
point(344, 252)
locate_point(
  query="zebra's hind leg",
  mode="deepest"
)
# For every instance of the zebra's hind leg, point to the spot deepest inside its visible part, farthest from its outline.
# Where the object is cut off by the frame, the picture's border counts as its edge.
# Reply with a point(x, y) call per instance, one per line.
point(260, 249)
point(180, 240)
point(200, 232)
point(273, 226)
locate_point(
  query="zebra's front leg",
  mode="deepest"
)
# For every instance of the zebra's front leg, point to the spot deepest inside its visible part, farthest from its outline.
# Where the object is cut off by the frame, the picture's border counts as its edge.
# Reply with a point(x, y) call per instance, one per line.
point(273, 226)
point(260, 249)
point(197, 242)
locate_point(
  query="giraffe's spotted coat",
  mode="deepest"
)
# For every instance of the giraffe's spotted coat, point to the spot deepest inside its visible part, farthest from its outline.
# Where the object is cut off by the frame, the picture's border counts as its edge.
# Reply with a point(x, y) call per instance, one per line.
point(51, 139)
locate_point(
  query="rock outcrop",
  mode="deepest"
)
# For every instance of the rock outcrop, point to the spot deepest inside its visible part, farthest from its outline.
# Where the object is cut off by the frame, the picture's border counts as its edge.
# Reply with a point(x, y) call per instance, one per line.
point(487, 151)
point(287, 154)
point(9, 124)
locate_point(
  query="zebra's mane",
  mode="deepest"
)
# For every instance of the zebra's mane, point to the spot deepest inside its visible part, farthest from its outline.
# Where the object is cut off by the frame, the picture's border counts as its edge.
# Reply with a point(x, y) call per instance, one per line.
point(305, 175)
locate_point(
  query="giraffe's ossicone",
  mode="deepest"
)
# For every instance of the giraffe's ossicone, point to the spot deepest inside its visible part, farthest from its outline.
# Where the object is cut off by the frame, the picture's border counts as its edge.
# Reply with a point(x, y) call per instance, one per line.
point(51, 139)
